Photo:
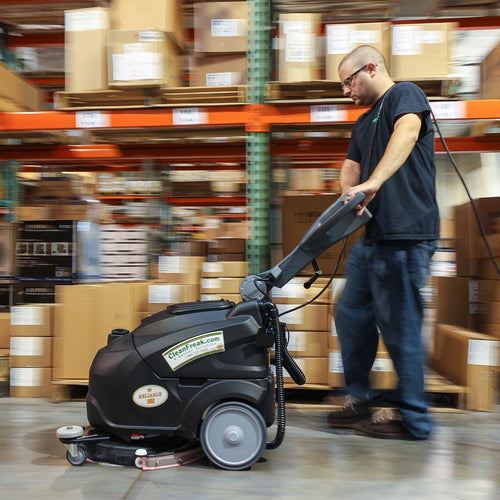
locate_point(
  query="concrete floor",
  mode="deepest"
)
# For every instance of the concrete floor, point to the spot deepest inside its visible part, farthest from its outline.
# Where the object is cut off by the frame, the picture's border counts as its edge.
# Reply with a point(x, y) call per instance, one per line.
point(460, 461)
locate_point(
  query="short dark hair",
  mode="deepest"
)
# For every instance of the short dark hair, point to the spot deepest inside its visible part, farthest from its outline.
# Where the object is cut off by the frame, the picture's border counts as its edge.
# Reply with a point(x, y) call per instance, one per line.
point(363, 54)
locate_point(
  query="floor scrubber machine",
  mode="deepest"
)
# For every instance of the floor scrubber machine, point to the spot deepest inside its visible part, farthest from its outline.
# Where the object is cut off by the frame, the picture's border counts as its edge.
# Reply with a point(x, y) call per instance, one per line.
point(195, 380)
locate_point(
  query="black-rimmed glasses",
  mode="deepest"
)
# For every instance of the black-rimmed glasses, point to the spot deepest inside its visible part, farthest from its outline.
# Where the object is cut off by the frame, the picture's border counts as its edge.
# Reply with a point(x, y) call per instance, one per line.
point(348, 81)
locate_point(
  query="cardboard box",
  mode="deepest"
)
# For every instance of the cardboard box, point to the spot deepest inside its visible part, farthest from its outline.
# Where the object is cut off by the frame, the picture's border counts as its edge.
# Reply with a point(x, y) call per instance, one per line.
point(32, 320)
point(155, 15)
point(298, 47)
point(220, 27)
point(4, 330)
point(86, 49)
point(30, 382)
point(57, 250)
point(489, 290)
point(298, 214)
point(469, 359)
point(180, 269)
point(314, 317)
point(220, 285)
point(494, 243)
point(231, 297)
point(457, 301)
point(308, 344)
point(490, 75)
point(227, 245)
point(160, 295)
point(33, 293)
point(314, 369)
point(467, 232)
point(31, 352)
point(217, 71)
point(142, 59)
point(487, 269)
point(117, 305)
point(7, 250)
point(342, 38)
point(190, 248)
point(75, 331)
point(492, 329)
point(294, 292)
point(421, 50)
point(382, 374)
point(226, 257)
point(236, 269)
point(17, 94)
point(335, 375)
point(490, 312)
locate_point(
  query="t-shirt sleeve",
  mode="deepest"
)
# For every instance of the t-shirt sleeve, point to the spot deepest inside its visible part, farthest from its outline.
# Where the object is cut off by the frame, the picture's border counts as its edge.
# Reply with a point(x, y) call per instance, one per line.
point(408, 98)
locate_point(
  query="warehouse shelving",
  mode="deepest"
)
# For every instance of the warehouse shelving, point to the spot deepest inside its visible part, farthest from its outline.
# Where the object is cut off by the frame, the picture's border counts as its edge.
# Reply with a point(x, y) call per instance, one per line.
point(255, 121)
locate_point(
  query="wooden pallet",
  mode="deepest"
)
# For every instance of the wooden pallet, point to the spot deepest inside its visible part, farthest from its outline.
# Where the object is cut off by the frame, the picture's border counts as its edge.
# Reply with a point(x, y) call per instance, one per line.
point(445, 396)
point(196, 96)
point(107, 99)
point(296, 91)
point(68, 390)
point(150, 97)
point(323, 90)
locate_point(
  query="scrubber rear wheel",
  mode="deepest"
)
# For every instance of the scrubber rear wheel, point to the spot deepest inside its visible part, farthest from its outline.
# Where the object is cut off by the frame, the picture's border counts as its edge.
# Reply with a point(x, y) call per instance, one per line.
point(233, 435)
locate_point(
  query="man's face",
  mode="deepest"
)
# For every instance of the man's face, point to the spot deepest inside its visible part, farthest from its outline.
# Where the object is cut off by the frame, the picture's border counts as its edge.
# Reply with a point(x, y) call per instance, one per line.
point(354, 82)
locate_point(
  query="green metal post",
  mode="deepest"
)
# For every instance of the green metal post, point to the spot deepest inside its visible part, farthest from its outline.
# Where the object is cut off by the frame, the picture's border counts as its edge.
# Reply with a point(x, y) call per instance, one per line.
point(258, 160)
point(8, 171)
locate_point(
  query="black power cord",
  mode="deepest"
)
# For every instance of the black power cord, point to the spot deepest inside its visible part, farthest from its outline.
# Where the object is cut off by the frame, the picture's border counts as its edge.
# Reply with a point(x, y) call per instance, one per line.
point(473, 205)
point(325, 287)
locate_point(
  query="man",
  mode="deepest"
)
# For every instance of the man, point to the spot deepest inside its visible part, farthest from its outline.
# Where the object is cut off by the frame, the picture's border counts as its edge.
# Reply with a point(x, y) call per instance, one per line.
point(391, 160)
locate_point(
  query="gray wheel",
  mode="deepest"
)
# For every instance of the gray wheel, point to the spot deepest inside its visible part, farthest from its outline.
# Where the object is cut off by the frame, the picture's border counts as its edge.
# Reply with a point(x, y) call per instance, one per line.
point(81, 456)
point(233, 435)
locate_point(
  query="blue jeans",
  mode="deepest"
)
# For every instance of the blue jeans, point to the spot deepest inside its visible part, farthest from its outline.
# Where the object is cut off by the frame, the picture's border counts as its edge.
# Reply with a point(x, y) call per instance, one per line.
point(382, 292)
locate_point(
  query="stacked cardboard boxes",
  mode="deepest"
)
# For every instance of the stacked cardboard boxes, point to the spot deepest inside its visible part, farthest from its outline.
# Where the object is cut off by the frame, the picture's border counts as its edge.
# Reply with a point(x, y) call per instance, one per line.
point(226, 249)
point(469, 359)
point(382, 376)
point(134, 43)
point(308, 326)
point(144, 43)
point(298, 213)
point(221, 280)
point(178, 281)
point(220, 38)
point(472, 259)
point(4, 353)
point(31, 345)
point(124, 252)
point(489, 307)
point(84, 317)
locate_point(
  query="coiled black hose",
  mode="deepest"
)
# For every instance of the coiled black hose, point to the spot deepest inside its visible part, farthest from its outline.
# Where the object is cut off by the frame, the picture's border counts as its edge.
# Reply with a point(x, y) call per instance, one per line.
point(282, 358)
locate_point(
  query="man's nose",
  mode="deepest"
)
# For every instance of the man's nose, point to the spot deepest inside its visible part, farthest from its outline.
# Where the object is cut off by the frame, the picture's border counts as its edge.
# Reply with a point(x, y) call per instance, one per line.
point(346, 91)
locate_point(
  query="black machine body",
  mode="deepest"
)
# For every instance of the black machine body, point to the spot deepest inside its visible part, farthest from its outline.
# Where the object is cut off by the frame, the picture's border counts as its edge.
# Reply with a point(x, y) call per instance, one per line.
point(200, 372)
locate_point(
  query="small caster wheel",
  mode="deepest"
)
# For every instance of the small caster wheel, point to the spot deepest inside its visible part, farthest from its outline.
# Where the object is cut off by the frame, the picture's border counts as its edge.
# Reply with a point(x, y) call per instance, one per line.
point(141, 454)
point(80, 458)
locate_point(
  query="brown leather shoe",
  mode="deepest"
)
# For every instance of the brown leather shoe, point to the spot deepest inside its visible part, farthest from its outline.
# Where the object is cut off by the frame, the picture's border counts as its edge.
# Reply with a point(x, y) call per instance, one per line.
point(384, 424)
point(351, 413)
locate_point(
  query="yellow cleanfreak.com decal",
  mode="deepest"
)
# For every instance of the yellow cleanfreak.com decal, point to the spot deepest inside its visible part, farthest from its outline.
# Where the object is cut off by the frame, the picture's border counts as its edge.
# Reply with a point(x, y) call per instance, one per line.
point(194, 348)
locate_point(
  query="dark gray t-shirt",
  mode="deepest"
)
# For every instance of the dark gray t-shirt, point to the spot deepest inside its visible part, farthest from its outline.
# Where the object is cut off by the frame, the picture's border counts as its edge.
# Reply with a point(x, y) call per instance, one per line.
point(405, 207)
